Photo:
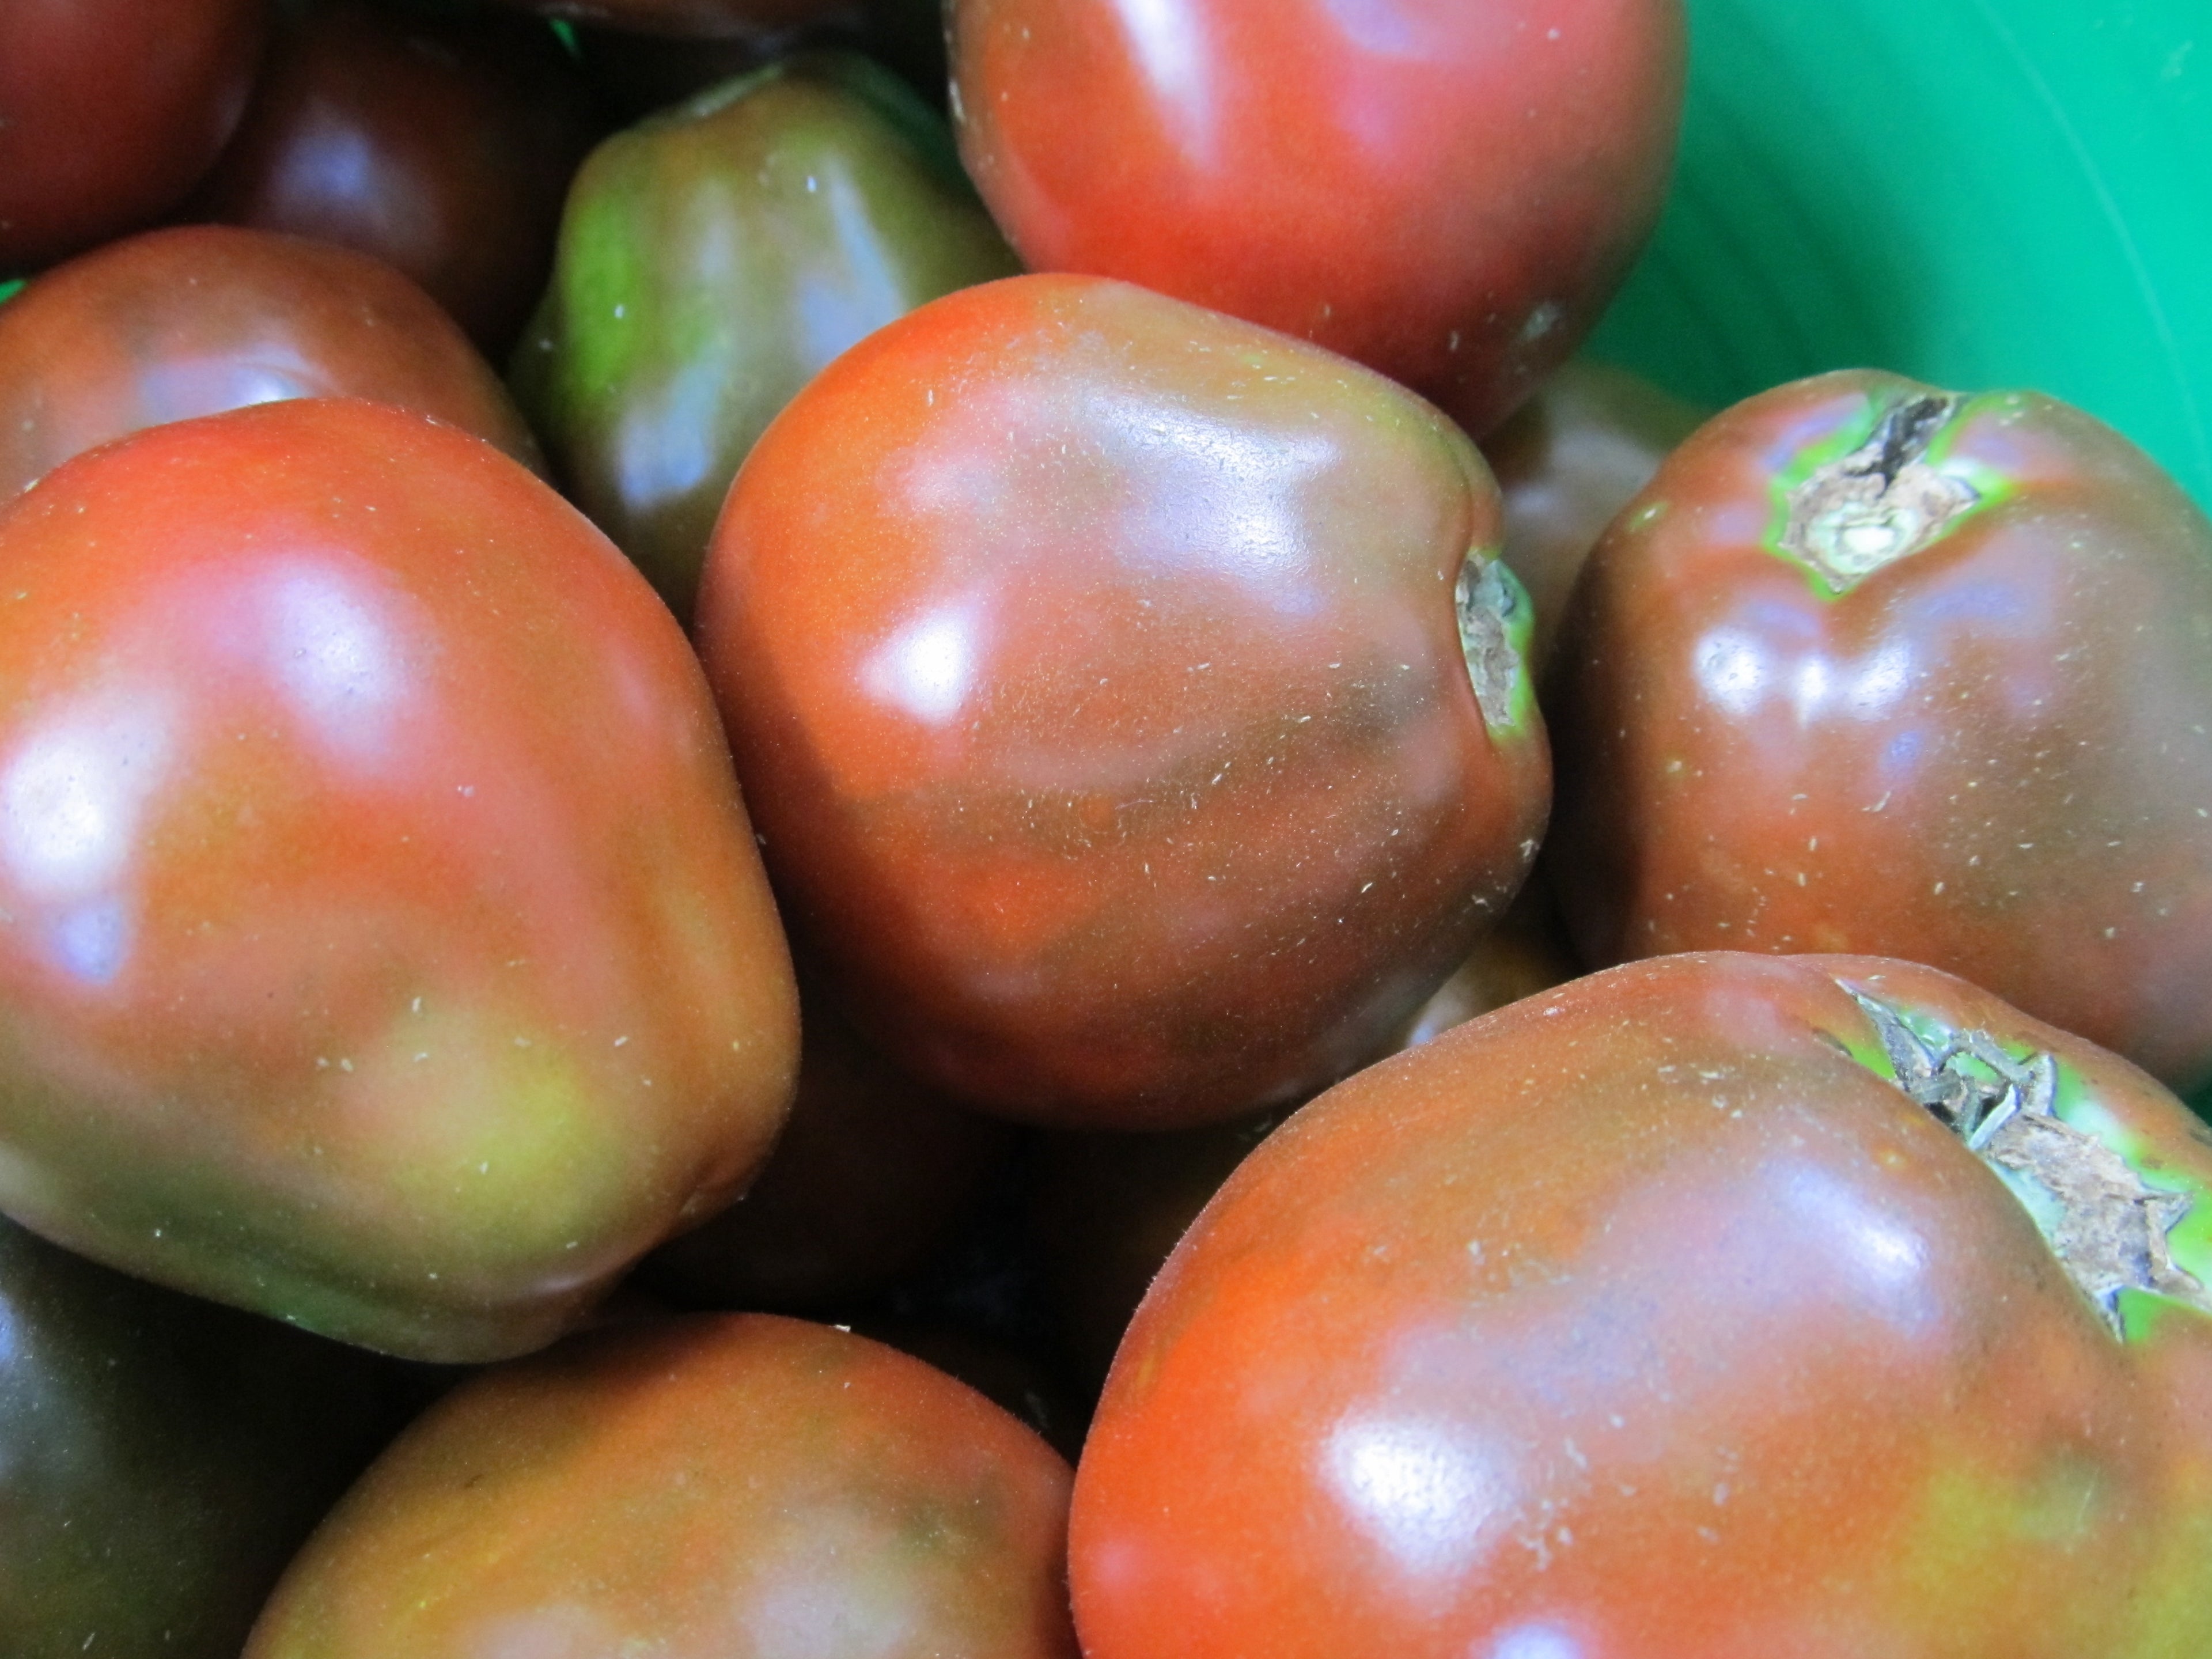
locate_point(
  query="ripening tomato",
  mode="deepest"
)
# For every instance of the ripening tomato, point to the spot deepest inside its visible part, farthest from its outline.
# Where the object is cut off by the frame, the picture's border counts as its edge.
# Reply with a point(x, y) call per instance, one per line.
point(442, 146)
point(1130, 697)
point(1873, 667)
point(747, 1487)
point(200, 318)
point(1447, 191)
point(109, 111)
point(383, 945)
point(1714, 1307)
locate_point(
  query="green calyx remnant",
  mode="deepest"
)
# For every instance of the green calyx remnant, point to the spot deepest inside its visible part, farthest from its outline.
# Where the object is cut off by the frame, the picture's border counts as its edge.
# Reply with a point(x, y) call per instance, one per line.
point(8, 290)
point(1880, 502)
point(2106, 1224)
point(1495, 621)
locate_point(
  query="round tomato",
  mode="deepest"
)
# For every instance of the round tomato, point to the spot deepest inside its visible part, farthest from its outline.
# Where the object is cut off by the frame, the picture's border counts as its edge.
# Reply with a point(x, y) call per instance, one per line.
point(1130, 697)
point(440, 145)
point(1715, 1307)
point(383, 945)
point(1873, 667)
point(745, 1486)
point(109, 111)
point(1447, 191)
point(201, 318)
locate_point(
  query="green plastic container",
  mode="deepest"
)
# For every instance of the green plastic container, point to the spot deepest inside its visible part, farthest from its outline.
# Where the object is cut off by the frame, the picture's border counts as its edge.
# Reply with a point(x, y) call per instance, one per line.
point(1979, 193)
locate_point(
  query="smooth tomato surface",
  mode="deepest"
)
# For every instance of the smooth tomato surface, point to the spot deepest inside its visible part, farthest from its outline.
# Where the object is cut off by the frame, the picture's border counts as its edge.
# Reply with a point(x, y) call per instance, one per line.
point(744, 1488)
point(441, 146)
point(1873, 667)
point(1656, 1318)
point(201, 318)
point(1094, 666)
point(1447, 191)
point(383, 945)
point(110, 110)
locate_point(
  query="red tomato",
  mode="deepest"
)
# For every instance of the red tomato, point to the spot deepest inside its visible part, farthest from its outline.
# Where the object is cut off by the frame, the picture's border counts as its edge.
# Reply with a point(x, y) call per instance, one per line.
point(1093, 665)
point(1715, 1307)
point(201, 318)
point(748, 1486)
point(383, 945)
point(442, 146)
point(1447, 191)
point(1873, 667)
point(109, 111)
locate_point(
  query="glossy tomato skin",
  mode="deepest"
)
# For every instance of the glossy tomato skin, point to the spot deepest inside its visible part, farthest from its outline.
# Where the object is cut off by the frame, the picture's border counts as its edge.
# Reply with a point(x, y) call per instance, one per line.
point(742, 1486)
point(384, 946)
point(1649, 1318)
point(201, 318)
point(441, 146)
point(109, 111)
point(1992, 753)
point(713, 257)
point(1091, 662)
point(161, 1458)
point(1447, 191)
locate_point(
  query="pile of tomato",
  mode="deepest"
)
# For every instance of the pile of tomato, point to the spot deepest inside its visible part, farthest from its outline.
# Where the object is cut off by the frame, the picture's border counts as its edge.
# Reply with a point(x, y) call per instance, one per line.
point(712, 711)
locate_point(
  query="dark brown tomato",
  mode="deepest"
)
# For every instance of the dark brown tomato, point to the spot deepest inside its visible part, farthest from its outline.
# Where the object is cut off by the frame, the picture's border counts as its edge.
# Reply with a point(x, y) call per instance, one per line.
point(161, 1458)
point(441, 146)
point(1447, 191)
point(1094, 665)
point(1873, 667)
point(744, 1487)
point(109, 111)
point(872, 1171)
point(1568, 460)
point(383, 943)
point(1669, 1314)
point(201, 318)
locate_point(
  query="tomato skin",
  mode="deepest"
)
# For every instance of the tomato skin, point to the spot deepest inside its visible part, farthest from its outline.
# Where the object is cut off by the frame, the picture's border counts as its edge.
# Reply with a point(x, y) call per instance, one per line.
point(109, 111)
point(1092, 666)
point(1447, 191)
point(385, 943)
point(714, 259)
point(747, 1485)
point(1992, 754)
point(201, 318)
point(441, 146)
point(1649, 1319)
point(161, 1458)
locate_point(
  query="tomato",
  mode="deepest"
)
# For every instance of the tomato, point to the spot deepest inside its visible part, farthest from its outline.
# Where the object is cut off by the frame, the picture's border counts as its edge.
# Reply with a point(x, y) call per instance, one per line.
point(1674, 1314)
point(443, 147)
point(1093, 665)
point(1567, 462)
point(1447, 191)
point(159, 1459)
point(745, 1485)
point(713, 259)
point(203, 318)
point(1873, 667)
point(109, 111)
point(383, 945)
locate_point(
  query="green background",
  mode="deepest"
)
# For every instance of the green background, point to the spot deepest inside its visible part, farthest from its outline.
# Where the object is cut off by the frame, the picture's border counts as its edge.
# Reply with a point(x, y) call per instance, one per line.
point(1979, 193)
